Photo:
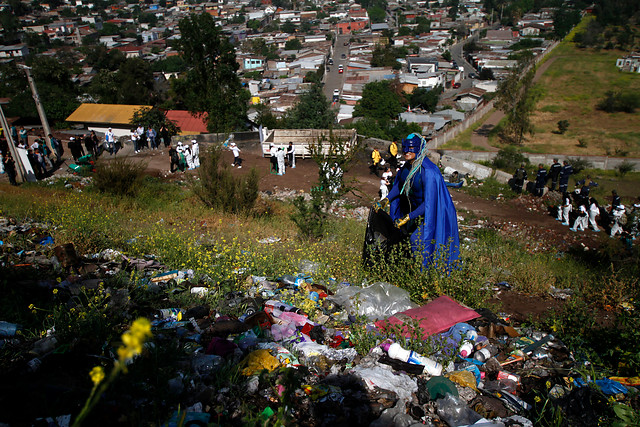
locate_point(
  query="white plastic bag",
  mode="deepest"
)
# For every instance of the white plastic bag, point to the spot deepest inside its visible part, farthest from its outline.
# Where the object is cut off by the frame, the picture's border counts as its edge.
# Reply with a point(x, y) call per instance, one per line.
point(377, 301)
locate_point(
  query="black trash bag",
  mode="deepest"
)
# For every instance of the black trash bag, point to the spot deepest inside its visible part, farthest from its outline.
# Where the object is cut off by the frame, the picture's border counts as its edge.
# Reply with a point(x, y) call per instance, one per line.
point(381, 236)
point(585, 406)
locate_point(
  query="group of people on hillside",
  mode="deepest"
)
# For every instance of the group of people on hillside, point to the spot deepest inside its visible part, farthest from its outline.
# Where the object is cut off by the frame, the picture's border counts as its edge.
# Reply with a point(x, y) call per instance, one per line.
point(578, 209)
point(184, 157)
point(281, 157)
point(558, 174)
point(147, 138)
point(621, 220)
point(39, 155)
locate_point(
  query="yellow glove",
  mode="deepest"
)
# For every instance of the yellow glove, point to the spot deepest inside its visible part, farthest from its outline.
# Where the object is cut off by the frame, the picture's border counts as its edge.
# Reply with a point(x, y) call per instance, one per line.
point(381, 204)
point(402, 221)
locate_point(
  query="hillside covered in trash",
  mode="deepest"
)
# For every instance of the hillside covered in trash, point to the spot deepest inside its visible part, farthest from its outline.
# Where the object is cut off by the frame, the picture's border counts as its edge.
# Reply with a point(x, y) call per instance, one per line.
point(156, 311)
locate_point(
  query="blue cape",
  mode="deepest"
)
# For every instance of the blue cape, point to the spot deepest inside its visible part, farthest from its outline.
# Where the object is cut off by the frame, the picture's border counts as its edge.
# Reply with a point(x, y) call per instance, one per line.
point(437, 235)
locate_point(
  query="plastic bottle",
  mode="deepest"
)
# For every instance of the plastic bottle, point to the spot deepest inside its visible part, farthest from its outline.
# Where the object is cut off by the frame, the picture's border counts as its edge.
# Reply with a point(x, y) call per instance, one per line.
point(431, 367)
point(8, 329)
point(485, 353)
point(175, 313)
point(466, 349)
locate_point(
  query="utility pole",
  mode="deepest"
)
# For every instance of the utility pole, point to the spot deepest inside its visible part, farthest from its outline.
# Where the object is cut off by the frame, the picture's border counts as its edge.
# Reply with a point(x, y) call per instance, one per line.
point(12, 147)
point(41, 113)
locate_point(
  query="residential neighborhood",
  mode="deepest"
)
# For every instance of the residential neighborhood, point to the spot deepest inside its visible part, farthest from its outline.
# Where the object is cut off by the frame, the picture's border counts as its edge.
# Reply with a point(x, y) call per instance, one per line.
point(277, 46)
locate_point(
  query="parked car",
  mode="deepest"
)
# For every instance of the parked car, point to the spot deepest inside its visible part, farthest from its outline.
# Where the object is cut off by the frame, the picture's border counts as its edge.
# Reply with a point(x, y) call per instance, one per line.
point(340, 69)
point(336, 95)
point(343, 56)
point(456, 85)
point(330, 61)
point(473, 76)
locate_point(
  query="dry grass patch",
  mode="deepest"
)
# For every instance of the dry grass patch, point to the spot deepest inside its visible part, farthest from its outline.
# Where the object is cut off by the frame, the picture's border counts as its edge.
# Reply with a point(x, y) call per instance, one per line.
point(572, 87)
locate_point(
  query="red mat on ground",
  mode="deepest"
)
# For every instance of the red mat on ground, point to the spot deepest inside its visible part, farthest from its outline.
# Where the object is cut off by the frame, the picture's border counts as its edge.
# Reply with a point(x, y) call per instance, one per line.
point(435, 317)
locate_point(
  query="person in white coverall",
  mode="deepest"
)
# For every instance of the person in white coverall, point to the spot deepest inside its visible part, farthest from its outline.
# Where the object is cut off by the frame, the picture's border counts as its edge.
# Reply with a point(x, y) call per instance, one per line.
point(594, 211)
point(195, 153)
point(564, 209)
point(616, 228)
point(291, 155)
point(580, 224)
point(280, 157)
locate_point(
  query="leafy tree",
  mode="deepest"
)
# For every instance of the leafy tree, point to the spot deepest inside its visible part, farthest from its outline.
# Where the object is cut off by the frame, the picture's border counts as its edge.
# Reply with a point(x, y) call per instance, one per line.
point(381, 100)
point(425, 98)
point(288, 27)
point(212, 85)
point(57, 91)
point(377, 14)
point(486, 74)
point(471, 46)
point(104, 87)
point(266, 118)
point(564, 19)
point(401, 129)
point(131, 84)
point(311, 111)
point(253, 24)
point(171, 64)
point(404, 31)
point(293, 44)
point(102, 58)
point(453, 10)
point(135, 82)
point(153, 118)
point(446, 55)
point(385, 56)
point(516, 98)
point(10, 25)
point(424, 25)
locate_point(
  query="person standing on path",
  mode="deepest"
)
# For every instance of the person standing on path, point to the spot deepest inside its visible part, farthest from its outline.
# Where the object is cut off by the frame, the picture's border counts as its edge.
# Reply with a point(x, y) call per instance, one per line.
point(564, 209)
point(565, 173)
point(541, 179)
point(519, 177)
point(375, 160)
point(291, 155)
point(237, 161)
point(594, 211)
point(554, 173)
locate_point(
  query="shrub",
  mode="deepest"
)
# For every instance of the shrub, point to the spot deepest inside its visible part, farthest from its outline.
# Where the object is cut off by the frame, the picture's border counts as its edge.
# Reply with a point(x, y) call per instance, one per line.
point(618, 101)
point(309, 217)
point(563, 125)
point(120, 177)
point(219, 189)
point(579, 165)
point(509, 158)
point(625, 167)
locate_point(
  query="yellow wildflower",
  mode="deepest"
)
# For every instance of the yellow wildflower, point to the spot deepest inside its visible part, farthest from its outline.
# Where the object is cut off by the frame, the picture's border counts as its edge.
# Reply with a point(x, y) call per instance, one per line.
point(134, 338)
point(97, 375)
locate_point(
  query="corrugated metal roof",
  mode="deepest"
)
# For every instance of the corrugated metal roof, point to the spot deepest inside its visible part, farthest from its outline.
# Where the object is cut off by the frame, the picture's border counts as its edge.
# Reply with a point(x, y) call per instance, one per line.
point(105, 113)
point(187, 123)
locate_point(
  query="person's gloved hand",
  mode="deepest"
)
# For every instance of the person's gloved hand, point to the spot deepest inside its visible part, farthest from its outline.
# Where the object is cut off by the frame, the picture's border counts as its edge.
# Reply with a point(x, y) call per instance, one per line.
point(381, 204)
point(402, 221)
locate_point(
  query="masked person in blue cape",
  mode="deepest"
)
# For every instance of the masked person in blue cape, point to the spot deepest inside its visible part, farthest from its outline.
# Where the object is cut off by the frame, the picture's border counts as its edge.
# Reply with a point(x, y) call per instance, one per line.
point(420, 204)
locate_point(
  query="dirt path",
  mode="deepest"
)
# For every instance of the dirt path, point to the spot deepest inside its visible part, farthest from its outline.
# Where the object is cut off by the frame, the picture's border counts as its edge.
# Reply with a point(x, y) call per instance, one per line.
point(480, 136)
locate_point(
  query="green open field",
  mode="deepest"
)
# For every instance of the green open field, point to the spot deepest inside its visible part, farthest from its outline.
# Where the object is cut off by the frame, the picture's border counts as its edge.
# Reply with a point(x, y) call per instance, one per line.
point(572, 86)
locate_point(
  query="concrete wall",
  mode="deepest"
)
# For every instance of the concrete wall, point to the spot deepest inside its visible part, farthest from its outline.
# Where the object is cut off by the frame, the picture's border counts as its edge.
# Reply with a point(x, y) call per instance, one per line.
point(598, 162)
point(301, 139)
